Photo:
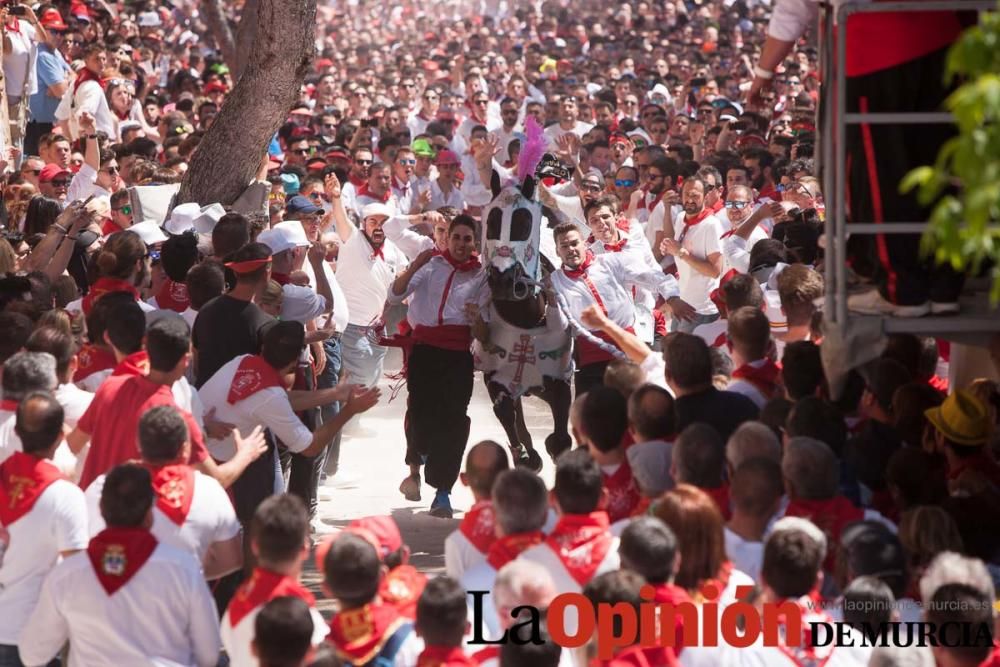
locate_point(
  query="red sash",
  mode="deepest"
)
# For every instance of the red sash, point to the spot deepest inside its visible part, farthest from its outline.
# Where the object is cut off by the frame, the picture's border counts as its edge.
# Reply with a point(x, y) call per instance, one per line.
point(23, 479)
point(262, 587)
point(623, 494)
point(252, 375)
point(135, 364)
point(720, 495)
point(117, 554)
point(478, 526)
point(174, 296)
point(509, 547)
point(92, 359)
point(174, 488)
point(831, 516)
point(105, 286)
point(581, 541)
point(444, 656)
point(588, 353)
point(401, 588)
point(359, 634)
point(457, 337)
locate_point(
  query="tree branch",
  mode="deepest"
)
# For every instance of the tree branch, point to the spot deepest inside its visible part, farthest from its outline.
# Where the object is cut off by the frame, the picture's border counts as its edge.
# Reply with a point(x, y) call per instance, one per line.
point(215, 18)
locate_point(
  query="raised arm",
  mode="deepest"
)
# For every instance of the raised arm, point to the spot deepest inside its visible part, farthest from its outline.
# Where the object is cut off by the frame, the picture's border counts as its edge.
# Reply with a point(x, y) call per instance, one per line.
point(345, 229)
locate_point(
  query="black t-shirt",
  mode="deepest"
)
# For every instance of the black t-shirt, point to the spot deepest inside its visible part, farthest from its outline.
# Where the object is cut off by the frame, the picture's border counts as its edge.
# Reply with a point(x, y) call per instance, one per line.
point(723, 410)
point(224, 329)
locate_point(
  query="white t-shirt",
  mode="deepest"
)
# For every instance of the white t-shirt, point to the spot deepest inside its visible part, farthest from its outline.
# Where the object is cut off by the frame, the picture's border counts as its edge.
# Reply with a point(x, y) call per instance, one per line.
point(746, 556)
point(19, 62)
point(268, 407)
point(701, 240)
point(364, 280)
point(553, 132)
point(210, 519)
point(455, 199)
point(57, 522)
point(127, 628)
point(89, 96)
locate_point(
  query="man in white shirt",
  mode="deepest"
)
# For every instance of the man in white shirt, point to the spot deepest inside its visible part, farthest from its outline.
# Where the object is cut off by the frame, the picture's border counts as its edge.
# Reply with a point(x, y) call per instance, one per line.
point(445, 190)
point(192, 511)
point(99, 174)
point(468, 544)
point(755, 495)
point(368, 263)
point(249, 392)
point(697, 251)
point(520, 502)
point(42, 514)
point(87, 94)
point(288, 241)
point(569, 122)
point(280, 543)
point(99, 600)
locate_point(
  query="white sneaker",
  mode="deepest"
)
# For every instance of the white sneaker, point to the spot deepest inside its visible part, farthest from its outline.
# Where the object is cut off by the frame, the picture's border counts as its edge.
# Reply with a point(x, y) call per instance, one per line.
point(319, 528)
point(342, 480)
point(872, 303)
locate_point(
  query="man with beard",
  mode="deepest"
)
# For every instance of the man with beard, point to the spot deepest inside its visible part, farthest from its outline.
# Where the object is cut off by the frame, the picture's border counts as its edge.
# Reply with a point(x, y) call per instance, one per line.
point(357, 177)
point(569, 122)
point(366, 266)
point(697, 251)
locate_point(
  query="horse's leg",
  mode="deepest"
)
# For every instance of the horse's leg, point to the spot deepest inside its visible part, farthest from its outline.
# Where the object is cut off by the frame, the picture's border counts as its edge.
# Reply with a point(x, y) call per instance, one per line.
point(530, 457)
point(506, 408)
point(559, 397)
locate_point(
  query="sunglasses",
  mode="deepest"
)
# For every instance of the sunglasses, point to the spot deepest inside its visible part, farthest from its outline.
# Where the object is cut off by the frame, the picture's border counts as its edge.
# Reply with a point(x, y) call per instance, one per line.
point(302, 151)
point(409, 162)
point(362, 162)
point(111, 170)
point(591, 187)
point(124, 210)
point(481, 102)
point(738, 205)
point(624, 183)
point(61, 183)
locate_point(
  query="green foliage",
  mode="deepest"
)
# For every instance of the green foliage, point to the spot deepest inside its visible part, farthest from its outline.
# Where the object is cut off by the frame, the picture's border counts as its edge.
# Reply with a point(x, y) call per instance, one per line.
point(965, 180)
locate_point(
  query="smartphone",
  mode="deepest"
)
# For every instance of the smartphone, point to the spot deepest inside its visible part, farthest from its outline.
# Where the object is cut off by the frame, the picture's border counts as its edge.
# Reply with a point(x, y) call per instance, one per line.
point(698, 82)
point(18, 10)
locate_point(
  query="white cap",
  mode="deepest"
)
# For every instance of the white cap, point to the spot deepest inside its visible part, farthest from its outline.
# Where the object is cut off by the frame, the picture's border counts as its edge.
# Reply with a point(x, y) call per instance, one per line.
point(149, 20)
point(149, 232)
point(284, 236)
point(376, 208)
point(209, 218)
point(189, 216)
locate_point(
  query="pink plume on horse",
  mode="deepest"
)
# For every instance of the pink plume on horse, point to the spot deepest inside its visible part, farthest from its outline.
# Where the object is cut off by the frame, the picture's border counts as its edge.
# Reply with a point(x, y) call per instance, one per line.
point(532, 150)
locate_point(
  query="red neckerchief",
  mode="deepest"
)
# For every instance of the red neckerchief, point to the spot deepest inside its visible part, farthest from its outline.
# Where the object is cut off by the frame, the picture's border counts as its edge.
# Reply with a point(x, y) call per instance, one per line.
point(831, 515)
point(623, 230)
point(92, 359)
point(84, 76)
point(507, 548)
point(769, 192)
point(281, 278)
point(470, 264)
point(488, 655)
point(23, 479)
point(134, 364)
point(105, 286)
point(359, 634)
point(174, 488)
point(117, 554)
point(581, 270)
point(357, 182)
point(623, 494)
point(717, 206)
point(15, 26)
point(581, 541)
point(364, 191)
point(478, 526)
point(720, 495)
point(8, 405)
point(766, 377)
point(444, 656)
point(252, 375)
point(720, 581)
point(174, 296)
point(805, 654)
point(691, 222)
point(262, 587)
point(109, 228)
point(651, 205)
point(401, 588)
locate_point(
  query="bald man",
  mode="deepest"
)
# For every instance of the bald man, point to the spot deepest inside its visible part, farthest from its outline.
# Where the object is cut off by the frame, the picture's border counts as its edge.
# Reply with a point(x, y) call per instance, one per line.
point(467, 546)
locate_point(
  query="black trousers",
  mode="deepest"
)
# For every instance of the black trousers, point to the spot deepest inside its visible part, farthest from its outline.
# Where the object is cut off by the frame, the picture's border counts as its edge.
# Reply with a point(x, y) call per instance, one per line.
point(439, 383)
point(878, 157)
point(587, 377)
point(304, 471)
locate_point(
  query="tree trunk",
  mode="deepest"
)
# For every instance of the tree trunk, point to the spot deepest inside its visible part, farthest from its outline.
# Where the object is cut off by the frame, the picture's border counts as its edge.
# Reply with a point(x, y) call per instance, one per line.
point(246, 33)
point(229, 155)
point(218, 25)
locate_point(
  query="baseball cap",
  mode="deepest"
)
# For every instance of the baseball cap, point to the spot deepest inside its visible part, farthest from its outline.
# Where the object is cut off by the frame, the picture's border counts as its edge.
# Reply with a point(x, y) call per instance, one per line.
point(300, 204)
point(423, 148)
point(447, 157)
point(376, 208)
point(51, 19)
point(149, 232)
point(284, 236)
point(50, 172)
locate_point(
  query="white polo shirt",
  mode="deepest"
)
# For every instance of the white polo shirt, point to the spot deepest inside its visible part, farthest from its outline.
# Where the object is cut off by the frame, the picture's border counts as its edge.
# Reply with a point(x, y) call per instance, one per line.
point(366, 278)
point(56, 522)
point(164, 615)
point(210, 519)
point(268, 407)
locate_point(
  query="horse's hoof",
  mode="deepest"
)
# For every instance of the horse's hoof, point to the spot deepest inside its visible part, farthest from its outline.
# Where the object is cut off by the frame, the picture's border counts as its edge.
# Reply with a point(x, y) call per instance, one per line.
point(519, 454)
point(534, 461)
point(556, 444)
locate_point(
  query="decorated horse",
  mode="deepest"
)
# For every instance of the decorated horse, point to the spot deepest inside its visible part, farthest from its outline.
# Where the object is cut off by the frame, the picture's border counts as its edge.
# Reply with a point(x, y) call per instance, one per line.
point(524, 347)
